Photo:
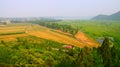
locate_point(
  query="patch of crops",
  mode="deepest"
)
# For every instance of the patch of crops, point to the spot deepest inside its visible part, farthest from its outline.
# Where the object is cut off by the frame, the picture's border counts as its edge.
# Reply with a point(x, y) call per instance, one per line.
point(12, 33)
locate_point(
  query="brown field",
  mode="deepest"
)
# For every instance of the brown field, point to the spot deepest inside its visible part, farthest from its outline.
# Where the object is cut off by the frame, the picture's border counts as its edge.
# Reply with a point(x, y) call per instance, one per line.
point(80, 36)
point(11, 37)
point(46, 33)
point(39, 31)
point(12, 29)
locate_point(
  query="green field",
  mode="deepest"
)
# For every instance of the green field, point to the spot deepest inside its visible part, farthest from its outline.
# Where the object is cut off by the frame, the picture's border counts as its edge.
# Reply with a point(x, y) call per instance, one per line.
point(96, 29)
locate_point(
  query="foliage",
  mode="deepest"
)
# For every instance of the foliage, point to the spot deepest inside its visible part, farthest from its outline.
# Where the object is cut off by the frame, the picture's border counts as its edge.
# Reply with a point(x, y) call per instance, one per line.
point(37, 52)
point(57, 26)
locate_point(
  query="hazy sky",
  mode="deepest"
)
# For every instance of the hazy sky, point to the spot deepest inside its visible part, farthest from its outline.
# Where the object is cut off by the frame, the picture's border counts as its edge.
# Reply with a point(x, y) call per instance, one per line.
point(37, 8)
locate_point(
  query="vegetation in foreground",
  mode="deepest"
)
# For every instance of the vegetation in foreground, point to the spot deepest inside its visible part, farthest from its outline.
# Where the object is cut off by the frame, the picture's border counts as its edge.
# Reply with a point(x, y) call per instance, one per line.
point(37, 52)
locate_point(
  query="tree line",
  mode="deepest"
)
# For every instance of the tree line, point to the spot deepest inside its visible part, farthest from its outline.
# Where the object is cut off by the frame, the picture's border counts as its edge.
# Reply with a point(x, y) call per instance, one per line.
point(62, 27)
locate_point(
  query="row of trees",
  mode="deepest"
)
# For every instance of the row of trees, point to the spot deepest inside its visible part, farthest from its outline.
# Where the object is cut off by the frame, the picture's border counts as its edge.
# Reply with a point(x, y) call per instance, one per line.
point(57, 26)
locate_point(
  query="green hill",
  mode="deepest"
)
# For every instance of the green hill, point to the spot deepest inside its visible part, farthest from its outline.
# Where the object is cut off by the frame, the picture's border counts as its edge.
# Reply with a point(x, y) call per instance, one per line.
point(115, 16)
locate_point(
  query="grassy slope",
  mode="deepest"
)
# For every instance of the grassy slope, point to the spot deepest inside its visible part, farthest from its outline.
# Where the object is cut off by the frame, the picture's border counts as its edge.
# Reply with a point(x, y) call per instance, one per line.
point(38, 31)
point(46, 33)
point(27, 50)
point(95, 29)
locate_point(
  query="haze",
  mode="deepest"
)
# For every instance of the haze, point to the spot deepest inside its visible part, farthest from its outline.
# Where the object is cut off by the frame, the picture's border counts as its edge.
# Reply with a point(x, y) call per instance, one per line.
point(41, 8)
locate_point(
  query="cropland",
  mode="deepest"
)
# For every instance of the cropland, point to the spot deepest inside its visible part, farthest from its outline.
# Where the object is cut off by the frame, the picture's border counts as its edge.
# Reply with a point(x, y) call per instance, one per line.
point(13, 31)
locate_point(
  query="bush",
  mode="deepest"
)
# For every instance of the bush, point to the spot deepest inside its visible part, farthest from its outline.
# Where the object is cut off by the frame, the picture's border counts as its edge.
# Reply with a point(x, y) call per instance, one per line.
point(5, 55)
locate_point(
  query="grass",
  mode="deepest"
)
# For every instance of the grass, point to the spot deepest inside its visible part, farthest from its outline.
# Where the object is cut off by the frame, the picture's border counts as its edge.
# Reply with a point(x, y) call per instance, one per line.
point(38, 48)
point(41, 32)
point(12, 33)
point(29, 50)
point(96, 29)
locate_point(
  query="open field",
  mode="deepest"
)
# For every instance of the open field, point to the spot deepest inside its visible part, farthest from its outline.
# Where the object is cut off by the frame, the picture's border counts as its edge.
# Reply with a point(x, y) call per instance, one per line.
point(12, 31)
point(48, 34)
point(97, 29)
point(42, 32)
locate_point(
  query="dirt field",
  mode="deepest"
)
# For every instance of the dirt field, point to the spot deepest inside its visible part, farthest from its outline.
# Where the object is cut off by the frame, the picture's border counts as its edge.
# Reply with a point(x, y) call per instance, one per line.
point(80, 36)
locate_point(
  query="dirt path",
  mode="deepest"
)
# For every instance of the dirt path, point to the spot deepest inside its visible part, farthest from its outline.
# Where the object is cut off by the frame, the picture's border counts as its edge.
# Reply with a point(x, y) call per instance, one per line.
point(81, 37)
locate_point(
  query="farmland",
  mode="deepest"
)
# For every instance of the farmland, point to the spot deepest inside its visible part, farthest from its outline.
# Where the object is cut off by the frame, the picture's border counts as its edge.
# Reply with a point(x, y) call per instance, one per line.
point(39, 31)
point(32, 44)
point(59, 33)
point(37, 45)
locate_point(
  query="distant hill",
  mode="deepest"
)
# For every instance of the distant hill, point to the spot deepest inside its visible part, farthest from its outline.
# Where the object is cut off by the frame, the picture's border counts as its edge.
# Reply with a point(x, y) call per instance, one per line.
point(115, 16)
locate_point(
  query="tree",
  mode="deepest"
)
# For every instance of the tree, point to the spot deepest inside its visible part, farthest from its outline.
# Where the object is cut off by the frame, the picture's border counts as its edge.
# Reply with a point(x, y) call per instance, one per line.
point(83, 59)
point(49, 62)
point(105, 52)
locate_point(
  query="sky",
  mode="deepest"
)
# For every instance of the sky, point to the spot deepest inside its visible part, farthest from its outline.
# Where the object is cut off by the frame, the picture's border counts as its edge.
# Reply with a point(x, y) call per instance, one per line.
point(41, 8)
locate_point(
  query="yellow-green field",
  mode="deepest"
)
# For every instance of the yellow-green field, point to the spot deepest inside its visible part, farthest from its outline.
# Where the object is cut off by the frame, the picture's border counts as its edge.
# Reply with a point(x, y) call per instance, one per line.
point(45, 33)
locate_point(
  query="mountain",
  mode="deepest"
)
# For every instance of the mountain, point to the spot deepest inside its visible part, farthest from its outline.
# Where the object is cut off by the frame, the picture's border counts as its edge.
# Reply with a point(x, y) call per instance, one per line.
point(115, 16)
